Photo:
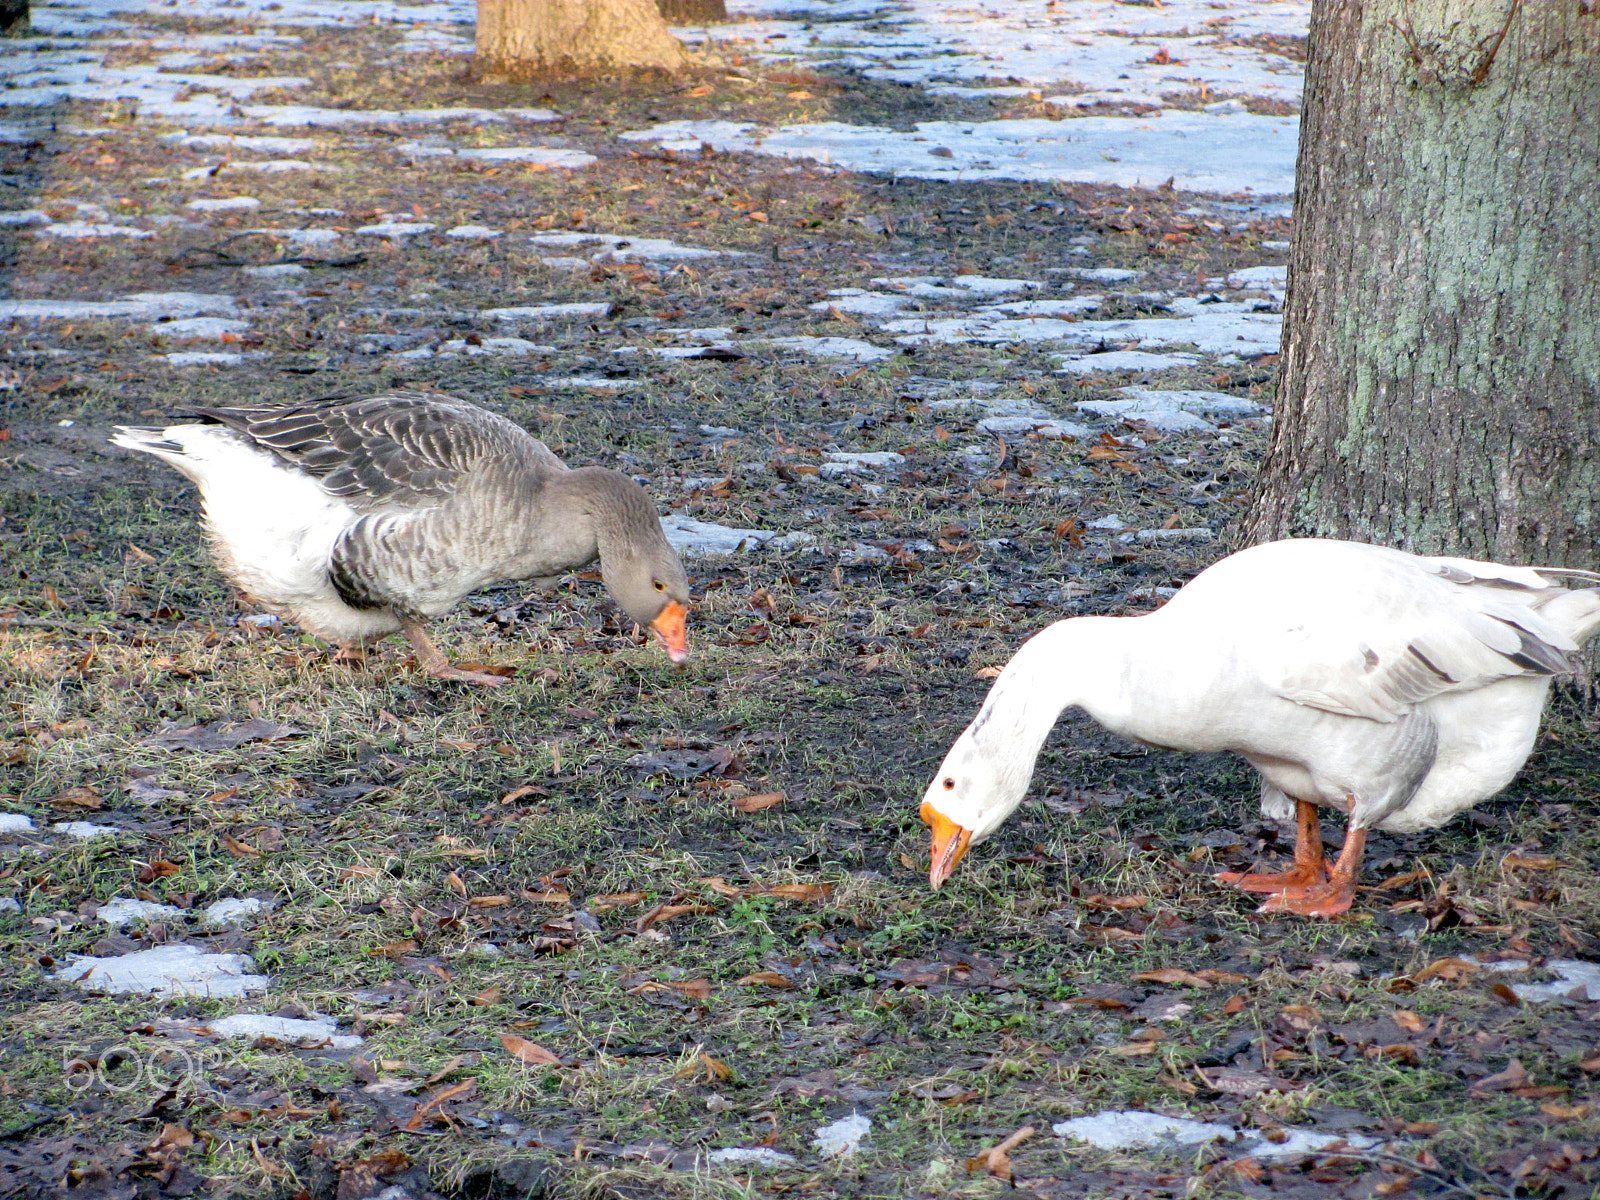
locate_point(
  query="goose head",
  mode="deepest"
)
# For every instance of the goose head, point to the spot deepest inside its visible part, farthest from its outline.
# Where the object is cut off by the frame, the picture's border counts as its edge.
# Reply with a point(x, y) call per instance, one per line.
point(976, 788)
point(640, 568)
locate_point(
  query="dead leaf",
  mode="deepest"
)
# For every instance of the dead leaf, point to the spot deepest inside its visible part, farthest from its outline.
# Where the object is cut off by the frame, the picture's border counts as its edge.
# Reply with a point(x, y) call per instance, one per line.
point(721, 886)
point(1116, 902)
point(714, 1069)
point(1234, 1005)
point(997, 1159)
point(808, 892)
point(1408, 1020)
point(489, 901)
point(396, 949)
point(489, 995)
point(1301, 1016)
point(1134, 1049)
point(222, 735)
point(764, 979)
point(551, 897)
point(443, 1072)
point(433, 1103)
point(1172, 975)
point(1236, 1082)
point(272, 1169)
point(1454, 969)
point(1513, 1077)
point(528, 1052)
point(239, 849)
point(82, 796)
point(605, 903)
point(1564, 1112)
point(694, 989)
point(750, 804)
point(1534, 862)
point(665, 912)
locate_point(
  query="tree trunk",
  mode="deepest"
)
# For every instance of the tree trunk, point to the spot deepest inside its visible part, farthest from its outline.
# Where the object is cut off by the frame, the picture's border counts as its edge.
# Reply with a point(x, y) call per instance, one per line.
point(692, 12)
point(14, 19)
point(1440, 380)
point(574, 37)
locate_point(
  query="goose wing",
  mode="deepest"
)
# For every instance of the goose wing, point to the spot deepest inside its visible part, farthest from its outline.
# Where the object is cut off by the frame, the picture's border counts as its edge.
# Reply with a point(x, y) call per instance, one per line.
point(1404, 628)
point(398, 449)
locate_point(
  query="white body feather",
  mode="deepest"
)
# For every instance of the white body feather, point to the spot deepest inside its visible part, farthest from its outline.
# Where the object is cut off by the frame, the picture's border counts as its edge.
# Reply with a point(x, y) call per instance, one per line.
point(1395, 688)
point(272, 527)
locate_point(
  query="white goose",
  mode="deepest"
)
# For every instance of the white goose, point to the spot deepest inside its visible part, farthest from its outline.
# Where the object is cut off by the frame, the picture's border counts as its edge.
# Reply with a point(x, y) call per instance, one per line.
point(1397, 689)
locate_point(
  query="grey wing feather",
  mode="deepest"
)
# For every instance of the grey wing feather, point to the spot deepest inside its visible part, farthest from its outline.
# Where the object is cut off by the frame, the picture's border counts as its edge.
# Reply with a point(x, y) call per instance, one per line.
point(399, 448)
point(1441, 628)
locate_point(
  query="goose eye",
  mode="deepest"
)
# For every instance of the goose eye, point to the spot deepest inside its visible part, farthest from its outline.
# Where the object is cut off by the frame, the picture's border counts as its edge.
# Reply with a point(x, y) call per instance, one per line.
point(659, 586)
point(949, 785)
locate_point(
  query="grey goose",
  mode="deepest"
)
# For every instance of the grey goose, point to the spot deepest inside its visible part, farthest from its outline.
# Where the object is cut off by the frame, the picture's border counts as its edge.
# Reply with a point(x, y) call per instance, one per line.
point(357, 519)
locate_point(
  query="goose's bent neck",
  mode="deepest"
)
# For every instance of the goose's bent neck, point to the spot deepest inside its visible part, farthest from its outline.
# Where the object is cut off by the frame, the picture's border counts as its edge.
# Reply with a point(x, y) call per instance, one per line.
point(1080, 662)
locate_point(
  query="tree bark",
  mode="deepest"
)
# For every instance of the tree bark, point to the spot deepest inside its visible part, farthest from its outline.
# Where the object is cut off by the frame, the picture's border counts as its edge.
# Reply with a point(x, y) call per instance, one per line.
point(14, 19)
point(692, 12)
point(1440, 379)
point(525, 38)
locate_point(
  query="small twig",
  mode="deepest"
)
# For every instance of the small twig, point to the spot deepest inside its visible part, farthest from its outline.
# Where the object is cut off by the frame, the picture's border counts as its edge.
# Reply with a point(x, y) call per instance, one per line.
point(8, 620)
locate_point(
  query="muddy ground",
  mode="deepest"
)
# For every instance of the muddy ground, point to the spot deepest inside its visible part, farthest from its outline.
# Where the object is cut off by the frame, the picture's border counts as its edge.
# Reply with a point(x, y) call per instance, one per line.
point(576, 963)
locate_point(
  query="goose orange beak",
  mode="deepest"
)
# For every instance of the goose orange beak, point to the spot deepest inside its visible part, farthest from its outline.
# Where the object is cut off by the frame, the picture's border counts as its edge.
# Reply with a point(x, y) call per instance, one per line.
point(671, 626)
point(949, 844)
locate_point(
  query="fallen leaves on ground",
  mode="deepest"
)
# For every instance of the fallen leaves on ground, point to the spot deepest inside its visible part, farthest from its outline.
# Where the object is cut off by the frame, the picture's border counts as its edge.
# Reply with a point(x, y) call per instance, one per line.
point(764, 979)
point(528, 1052)
point(997, 1159)
point(222, 735)
point(430, 1105)
point(752, 804)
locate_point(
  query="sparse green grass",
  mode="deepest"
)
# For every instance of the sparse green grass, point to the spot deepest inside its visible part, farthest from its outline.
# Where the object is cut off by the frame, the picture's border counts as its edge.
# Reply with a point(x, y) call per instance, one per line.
point(839, 685)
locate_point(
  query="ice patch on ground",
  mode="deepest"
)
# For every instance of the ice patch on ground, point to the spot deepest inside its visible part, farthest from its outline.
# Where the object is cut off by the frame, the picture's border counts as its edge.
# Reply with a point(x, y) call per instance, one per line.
point(619, 249)
point(545, 312)
point(1121, 360)
point(235, 142)
point(751, 1156)
point(92, 229)
point(855, 300)
point(233, 912)
point(150, 306)
point(296, 114)
point(689, 536)
point(176, 970)
point(397, 229)
point(119, 912)
point(1141, 1131)
point(842, 1137)
point(228, 204)
point(276, 270)
point(955, 285)
point(25, 216)
point(85, 830)
point(590, 382)
point(1198, 152)
point(15, 823)
point(202, 358)
point(472, 233)
point(1572, 974)
point(284, 1029)
point(1106, 274)
point(570, 160)
point(1171, 410)
point(198, 327)
point(494, 345)
point(828, 347)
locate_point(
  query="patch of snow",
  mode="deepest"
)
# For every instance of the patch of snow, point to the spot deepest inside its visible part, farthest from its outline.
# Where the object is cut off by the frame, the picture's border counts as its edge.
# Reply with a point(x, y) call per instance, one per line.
point(276, 270)
point(493, 345)
point(9, 904)
point(955, 285)
point(174, 970)
point(564, 263)
point(689, 536)
point(472, 233)
point(619, 249)
point(397, 229)
point(231, 141)
point(230, 204)
point(1272, 279)
point(1049, 429)
point(198, 327)
point(15, 823)
point(301, 237)
point(1149, 536)
point(1121, 360)
point(119, 912)
point(1141, 1131)
point(752, 1156)
point(201, 358)
point(284, 1029)
point(25, 216)
point(582, 382)
point(1571, 974)
point(855, 300)
point(1050, 308)
point(842, 1137)
point(571, 160)
point(92, 229)
point(232, 912)
point(873, 459)
point(828, 347)
point(149, 306)
point(1199, 152)
point(1304, 1141)
point(297, 114)
point(85, 830)
point(271, 166)
point(1109, 521)
point(1106, 274)
point(545, 312)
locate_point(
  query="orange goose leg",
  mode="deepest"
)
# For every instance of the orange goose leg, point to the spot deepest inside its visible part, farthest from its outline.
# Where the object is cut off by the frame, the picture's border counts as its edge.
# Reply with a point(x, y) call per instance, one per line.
point(434, 662)
point(1309, 869)
point(1325, 899)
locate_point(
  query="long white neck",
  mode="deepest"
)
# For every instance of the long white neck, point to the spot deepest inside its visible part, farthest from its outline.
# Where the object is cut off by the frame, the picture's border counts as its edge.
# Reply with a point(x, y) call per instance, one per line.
point(1077, 662)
